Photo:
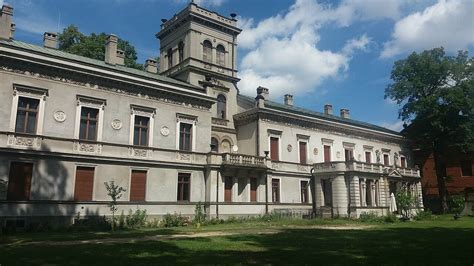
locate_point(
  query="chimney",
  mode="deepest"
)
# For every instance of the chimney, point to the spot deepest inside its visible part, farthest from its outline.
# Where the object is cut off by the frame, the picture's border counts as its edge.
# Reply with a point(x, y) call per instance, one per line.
point(328, 109)
point(50, 40)
point(264, 92)
point(6, 26)
point(113, 56)
point(151, 65)
point(345, 113)
point(289, 99)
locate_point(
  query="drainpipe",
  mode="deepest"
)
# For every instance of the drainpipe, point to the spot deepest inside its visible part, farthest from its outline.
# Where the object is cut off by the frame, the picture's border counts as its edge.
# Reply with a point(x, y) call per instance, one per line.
point(313, 193)
point(217, 193)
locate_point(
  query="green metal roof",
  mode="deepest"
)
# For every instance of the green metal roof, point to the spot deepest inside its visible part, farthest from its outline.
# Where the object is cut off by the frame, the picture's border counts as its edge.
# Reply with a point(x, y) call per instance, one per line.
point(98, 63)
point(303, 111)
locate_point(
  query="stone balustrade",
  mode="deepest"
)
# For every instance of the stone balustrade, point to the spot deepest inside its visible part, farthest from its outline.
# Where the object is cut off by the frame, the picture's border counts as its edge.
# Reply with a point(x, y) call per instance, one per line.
point(243, 160)
point(354, 166)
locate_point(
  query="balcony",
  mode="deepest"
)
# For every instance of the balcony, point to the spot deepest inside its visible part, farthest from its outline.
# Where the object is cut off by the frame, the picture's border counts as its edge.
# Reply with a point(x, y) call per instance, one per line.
point(369, 168)
point(219, 121)
point(244, 160)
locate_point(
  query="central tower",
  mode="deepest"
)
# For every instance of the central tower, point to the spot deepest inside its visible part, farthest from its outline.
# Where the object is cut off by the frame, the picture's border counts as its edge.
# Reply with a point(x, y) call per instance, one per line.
point(199, 46)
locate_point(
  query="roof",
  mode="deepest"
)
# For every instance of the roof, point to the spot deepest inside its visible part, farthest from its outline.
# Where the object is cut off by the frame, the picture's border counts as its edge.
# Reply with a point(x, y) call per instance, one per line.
point(335, 118)
point(97, 63)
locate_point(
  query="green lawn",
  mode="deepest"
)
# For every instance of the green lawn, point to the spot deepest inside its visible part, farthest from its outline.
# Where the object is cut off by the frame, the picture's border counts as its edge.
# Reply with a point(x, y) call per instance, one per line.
point(439, 242)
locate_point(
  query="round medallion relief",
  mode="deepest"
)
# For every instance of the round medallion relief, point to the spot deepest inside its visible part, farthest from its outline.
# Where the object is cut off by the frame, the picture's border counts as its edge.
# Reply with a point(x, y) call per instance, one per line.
point(59, 116)
point(116, 124)
point(315, 151)
point(165, 131)
point(338, 154)
point(289, 148)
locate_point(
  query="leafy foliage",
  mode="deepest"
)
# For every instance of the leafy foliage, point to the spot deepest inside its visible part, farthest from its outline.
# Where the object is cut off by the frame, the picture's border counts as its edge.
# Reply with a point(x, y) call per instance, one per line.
point(456, 204)
point(73, 41)
point(199, 215)
point(405, 202)
point(115, 192)
point(436, 94)
point(175, 220)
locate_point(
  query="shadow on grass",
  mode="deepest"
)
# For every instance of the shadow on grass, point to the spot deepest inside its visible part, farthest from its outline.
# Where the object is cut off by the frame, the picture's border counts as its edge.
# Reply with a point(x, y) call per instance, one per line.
point(445, 246)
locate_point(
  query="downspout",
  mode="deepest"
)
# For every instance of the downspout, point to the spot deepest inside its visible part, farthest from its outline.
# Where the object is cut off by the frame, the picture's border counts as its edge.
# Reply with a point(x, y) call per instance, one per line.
point(313, 193)
point(217, 193)
point(266, 192)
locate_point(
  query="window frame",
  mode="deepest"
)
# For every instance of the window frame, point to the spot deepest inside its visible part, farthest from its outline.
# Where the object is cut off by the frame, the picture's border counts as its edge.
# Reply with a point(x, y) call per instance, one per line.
point(223, 104)
point(278, 190)
point(136, 110)
point(220, 55)
point(306, 191)
point(207, 54)
point(188, 175)
point(89, 102)
point(305, 139)
point(329, 143)
point(130, 182)
point(180, 52)
point(32, 93)
point(461, 168)
point(169, 57)
point(186, 119)
point(94, 178)
point(274, 134)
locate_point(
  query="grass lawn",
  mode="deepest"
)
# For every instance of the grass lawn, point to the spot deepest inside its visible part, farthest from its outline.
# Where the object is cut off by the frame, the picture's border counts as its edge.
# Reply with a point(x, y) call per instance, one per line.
point(439, 242)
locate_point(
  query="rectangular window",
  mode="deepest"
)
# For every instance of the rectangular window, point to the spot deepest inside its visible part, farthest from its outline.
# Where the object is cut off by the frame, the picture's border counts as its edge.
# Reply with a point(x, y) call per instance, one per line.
point(84, 183)
point(27, 115)
point(368, 157)
point(466, 168)
point(138, 185)
point(88, 123)
point(140, 131)
point(19, 181)
point(303, 152)
point(327, 153)
point(349, 154)
point(184, 181)
point(275, 190)
point(386, 160)
point(326, 187)
point(253, 189)
point(304, 191)
point(228, 184)
point(185, 136)
point(274, 145)
point(403, 162)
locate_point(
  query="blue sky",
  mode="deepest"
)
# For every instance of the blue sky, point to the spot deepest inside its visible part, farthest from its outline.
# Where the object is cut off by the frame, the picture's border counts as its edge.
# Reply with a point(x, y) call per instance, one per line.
point(339, 52)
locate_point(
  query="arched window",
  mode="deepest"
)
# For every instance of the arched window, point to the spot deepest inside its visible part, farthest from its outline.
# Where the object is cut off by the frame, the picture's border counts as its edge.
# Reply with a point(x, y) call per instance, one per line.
point(207, 51)
point(169, 54)
point(214, 145)
point(221, 106)
point(180, 52)
point(220, 52)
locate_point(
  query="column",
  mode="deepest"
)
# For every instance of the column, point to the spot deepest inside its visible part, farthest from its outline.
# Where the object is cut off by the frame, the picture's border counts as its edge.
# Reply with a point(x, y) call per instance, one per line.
point(354, 191)
point(363, 193)
point(420, 195)
point(318, 192)
point(339, 196)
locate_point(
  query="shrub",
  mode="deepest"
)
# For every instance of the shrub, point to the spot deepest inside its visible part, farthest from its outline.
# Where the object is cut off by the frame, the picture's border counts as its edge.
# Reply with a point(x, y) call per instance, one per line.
point(456, 204)
point(136, 219)
point(405, 202)
point(94, 223)
point(199, 215)
point(390, 218)
point(370, 217)
point(174, 220)
point(424, 215)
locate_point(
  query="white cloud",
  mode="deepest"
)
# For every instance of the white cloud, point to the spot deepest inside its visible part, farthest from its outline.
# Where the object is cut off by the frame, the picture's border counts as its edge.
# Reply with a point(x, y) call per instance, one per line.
point(213, 3)
point(448, 23)
point(396, 126)
point(283, 53)
point(31, 18)
point(352, 10)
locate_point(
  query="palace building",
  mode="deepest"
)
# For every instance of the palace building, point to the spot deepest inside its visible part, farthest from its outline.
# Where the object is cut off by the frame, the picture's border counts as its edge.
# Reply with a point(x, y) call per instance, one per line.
point(177, 134)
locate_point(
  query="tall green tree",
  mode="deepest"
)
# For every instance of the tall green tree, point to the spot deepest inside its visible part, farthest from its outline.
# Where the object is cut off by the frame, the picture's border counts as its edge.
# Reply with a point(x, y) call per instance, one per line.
point(73, 41)
point(436, 95)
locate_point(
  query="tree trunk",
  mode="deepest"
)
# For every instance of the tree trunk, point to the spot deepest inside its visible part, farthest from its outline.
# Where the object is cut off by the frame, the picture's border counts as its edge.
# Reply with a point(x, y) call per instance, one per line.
point(441, 177)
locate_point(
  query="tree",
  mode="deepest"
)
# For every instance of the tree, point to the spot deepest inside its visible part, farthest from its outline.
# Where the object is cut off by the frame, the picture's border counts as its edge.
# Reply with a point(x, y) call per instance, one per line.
point(115, 192)
point(73, 41)
point(405, 202)
point(436, 92)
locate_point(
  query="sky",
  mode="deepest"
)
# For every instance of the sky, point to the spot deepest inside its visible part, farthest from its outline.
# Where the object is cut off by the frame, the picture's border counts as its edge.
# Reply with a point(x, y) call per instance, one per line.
point(339, 52)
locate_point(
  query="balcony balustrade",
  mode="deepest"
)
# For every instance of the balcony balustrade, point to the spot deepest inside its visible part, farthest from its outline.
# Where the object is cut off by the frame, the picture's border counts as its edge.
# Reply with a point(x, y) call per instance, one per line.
point(243, 160)
point(362, 167)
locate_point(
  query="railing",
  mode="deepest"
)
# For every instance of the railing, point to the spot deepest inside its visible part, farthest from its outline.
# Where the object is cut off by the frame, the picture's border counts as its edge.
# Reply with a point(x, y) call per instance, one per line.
point(243, 160)
point(339, 166)
point(219, 121)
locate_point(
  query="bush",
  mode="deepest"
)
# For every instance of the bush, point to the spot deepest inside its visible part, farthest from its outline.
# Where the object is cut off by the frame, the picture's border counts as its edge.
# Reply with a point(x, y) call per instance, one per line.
point(370, 217)
point(390, 218)
point(405, 202)
point(136, 219)
point(424, 215)
point(456, 204)
point(199, 215)
point(97, 223)
point(175, 220)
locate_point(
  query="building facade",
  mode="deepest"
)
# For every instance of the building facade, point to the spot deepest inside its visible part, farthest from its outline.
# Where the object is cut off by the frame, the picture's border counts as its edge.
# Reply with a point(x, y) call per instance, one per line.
point(178, 134)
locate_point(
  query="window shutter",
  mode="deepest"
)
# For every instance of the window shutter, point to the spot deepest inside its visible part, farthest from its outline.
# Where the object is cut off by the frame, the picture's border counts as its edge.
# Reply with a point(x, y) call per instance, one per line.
point(274, 153)
point(228, 189)
point(303, 152)
point(327, 153)
point(19, 182)
point(84, 184)
point(138, 186)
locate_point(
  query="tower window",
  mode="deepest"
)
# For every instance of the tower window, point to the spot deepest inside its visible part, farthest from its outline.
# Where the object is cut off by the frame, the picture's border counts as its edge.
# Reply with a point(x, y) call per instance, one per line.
point(181, 52)
point(169, 54)
point(207, 51)
point(220, 52)
point(221, 106)
point(214, 145)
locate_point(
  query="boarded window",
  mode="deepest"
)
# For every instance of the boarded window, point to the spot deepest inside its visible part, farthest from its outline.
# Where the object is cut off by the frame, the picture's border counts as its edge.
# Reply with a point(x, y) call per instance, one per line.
point(274, 153)
point(303, 152)
point(184, 190)
point(140, 131)
point(466, 168)
point(253, 189)
point(207, 51)
point(327, 153)
point(185, 137)
point(138, 185)
point(84, 183)
point(368, 157)
point(88, 123)
point(275, 190)
point(349, 154)
point(304, 192)
point(228, 184)
point(386, 160)
point(27, 115)
point(19, 181)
